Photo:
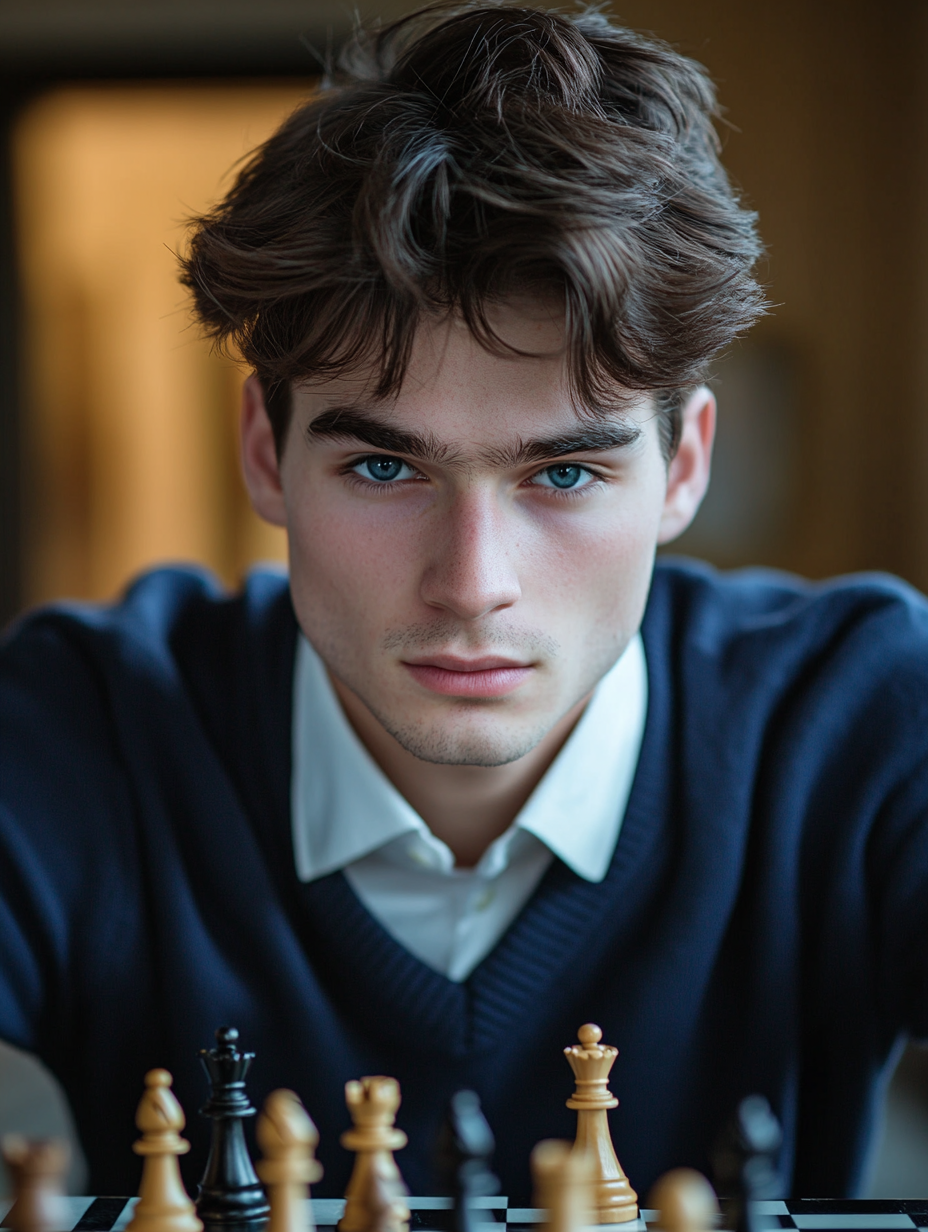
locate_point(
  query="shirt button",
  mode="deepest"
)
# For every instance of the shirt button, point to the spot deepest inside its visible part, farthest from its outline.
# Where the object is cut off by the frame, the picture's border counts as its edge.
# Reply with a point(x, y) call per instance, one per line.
point(421, 857)
point(484, 900)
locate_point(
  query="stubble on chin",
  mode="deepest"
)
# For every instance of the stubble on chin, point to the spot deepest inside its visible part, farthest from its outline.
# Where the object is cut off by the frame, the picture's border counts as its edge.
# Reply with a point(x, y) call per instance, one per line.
point(453, 741)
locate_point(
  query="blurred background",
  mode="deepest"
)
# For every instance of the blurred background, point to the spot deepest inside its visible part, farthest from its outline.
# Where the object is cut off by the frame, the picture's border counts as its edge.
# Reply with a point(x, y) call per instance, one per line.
point(117, 424)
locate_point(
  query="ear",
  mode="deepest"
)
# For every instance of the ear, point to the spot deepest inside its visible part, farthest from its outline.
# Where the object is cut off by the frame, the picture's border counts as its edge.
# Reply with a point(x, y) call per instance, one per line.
point(688, 473)
point(260, 465)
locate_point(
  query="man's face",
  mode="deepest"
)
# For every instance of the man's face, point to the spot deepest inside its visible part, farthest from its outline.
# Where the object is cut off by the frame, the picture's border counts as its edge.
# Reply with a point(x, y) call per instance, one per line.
point(469, 559)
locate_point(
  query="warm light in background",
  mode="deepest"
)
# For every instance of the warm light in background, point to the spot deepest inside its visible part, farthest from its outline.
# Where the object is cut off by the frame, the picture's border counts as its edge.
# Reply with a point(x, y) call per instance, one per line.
point(131, 448)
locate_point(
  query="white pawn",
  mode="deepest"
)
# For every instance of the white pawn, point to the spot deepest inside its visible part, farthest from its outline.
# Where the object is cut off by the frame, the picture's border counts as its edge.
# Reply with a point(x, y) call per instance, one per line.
point(563, 1185)
point(37, 1171)
point(163, 1205)
point(288, 1141)
point(684, 1201)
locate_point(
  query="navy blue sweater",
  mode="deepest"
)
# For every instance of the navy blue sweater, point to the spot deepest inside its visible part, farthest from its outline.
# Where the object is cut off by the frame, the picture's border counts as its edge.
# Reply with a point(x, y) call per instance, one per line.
point(763, 925)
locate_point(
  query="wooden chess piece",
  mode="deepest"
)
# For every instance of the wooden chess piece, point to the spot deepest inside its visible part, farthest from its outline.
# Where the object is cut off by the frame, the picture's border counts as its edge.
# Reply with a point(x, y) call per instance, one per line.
point(37, 1170)
point(614, 1200)
point(163, 1205)
point(373, 1103)
point(563, 1183)
point(230, 1198)
point(288, 1141)
point(684, 1201)
point(387, 1210)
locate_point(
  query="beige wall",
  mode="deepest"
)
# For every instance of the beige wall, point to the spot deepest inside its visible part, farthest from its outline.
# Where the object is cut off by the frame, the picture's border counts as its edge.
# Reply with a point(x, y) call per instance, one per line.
point(131, 445)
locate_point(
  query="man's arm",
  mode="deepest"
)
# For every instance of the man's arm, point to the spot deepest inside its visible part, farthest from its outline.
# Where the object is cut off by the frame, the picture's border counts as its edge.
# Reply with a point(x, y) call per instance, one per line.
point(64, 841)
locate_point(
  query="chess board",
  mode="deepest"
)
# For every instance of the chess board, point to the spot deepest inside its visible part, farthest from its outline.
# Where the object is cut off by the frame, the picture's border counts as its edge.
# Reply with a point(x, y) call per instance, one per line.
point(434, 1215)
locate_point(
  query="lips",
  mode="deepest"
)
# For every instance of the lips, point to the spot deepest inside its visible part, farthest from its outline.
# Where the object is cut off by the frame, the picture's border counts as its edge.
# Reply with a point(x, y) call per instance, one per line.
point(488, 676)
point(454, 663)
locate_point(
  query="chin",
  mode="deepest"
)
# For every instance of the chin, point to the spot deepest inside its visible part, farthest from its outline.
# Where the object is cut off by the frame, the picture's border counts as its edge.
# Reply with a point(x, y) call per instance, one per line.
point(450, 746)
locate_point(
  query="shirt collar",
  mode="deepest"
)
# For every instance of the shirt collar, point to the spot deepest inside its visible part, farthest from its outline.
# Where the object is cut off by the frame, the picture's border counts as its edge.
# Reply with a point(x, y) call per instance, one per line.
point(344, 807)
point(578, 807)
point(342, 804)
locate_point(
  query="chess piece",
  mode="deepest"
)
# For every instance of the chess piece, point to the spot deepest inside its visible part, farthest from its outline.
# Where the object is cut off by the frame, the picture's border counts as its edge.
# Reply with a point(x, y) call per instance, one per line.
point(37, 1171)
point(563, 1185)
point(387, 1211)
point(684, 1201)
point(613, 1200)
point(230, 1196)
point(465, 1147)
point(373, 1103)
point(743, 1162)
point(288, 1141)
point(163, 1205)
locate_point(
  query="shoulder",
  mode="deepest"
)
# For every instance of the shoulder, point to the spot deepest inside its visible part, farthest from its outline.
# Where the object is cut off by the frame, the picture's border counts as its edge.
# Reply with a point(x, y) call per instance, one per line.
point(720, 612)
point(83, 686)
point(161, 611)
point(758, 646)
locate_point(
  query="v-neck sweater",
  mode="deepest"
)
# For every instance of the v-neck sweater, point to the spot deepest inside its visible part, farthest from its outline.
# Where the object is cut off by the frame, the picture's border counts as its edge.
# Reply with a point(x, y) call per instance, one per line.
point(763, 925)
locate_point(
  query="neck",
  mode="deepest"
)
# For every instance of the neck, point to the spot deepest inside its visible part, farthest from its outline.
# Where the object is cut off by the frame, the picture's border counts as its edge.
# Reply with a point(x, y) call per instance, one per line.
point(467, 807)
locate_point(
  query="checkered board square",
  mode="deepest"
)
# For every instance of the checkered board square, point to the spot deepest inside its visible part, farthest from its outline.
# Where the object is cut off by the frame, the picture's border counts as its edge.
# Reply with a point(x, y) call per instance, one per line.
point(435, 1215)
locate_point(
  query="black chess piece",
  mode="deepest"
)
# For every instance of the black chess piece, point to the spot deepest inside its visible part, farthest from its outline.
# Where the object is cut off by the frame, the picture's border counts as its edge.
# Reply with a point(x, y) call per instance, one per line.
point(465, 1147)
point(231, 1198)
point(743, 1163)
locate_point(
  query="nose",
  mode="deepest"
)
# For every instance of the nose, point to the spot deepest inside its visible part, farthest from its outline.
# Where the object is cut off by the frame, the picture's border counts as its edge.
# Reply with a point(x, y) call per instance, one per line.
point(470, 570)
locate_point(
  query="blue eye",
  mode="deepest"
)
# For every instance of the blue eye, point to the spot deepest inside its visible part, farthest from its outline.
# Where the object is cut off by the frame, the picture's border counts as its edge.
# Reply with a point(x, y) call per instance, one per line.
point(564, 475)
point(382, 469)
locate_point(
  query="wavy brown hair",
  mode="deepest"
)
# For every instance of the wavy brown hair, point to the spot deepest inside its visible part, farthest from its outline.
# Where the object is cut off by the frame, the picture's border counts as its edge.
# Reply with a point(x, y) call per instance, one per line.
point(466, 154)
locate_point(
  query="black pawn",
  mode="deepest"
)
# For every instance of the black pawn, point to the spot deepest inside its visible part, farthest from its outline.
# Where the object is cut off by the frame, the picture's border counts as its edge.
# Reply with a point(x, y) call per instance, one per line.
point(465, 1148)
point(230, 1195)
point(744, 1164)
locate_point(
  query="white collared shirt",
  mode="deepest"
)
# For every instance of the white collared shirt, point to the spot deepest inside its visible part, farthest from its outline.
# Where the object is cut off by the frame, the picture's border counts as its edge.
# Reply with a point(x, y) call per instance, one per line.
point(347, 815)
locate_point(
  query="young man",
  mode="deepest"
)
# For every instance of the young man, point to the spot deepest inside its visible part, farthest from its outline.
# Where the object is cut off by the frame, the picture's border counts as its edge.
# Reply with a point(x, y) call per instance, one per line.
point(480, 772)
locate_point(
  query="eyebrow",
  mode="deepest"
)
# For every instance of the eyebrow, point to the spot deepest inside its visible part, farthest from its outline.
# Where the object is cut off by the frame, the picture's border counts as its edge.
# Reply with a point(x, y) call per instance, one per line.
point(593, 438)
point(346, 423)
point(353, 423)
